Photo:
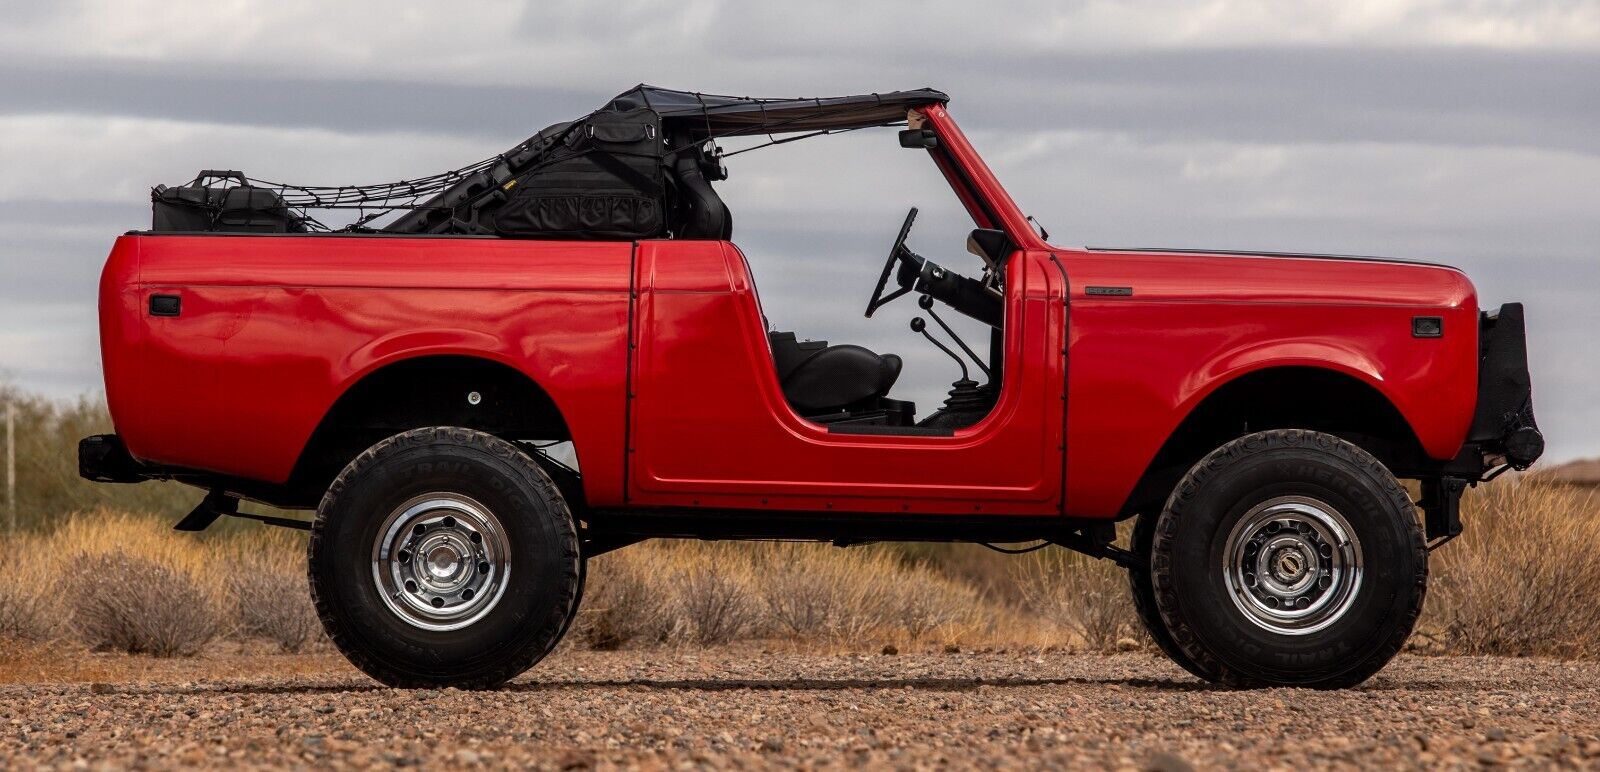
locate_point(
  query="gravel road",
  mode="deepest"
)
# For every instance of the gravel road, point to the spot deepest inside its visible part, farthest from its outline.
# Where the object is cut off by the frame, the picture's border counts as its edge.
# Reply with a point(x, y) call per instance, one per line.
point(746, 706)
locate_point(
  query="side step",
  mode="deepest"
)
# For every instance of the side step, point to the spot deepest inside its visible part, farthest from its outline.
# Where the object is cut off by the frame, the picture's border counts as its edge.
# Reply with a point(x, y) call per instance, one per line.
point(218, 503)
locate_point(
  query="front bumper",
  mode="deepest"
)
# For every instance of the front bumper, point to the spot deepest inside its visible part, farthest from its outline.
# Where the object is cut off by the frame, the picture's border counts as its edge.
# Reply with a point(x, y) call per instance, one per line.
point(1503, 427)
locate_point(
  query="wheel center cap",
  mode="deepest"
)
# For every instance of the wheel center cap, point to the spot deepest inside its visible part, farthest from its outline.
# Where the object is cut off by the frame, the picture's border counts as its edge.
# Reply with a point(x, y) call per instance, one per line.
point(443, 562)
point(1290, 564)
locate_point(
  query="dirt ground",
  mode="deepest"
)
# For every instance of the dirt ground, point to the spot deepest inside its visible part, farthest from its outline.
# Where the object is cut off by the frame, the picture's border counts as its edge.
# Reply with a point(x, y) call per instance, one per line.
point(753, 706)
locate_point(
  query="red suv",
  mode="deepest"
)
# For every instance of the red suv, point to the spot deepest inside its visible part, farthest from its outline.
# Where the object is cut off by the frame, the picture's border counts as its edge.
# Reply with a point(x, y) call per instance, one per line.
point(1252, 413)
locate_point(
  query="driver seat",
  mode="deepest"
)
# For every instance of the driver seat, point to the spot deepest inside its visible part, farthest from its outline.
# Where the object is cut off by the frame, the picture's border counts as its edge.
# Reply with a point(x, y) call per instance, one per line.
point(818, 378)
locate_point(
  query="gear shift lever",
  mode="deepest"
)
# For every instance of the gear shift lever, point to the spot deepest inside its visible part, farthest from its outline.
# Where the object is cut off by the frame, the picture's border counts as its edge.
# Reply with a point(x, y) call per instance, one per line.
point(920, 326)
point(926, 303)
point(967, 401)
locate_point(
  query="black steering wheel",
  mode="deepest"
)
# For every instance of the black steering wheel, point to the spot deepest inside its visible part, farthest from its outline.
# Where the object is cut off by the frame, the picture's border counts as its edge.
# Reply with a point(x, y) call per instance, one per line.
point(895, 252)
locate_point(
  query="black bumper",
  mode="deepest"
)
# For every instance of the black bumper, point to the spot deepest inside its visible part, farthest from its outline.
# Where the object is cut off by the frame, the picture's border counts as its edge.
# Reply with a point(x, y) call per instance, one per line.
point(103, 458)
point(1503, 426)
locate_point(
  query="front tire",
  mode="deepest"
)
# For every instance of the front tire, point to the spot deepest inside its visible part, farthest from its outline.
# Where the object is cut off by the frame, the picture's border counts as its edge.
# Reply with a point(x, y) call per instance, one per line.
point(444, 557)
point(1288, 558)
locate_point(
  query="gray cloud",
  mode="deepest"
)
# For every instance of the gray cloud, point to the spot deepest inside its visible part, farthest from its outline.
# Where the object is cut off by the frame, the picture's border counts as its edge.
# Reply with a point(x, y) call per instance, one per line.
point(1541, 99)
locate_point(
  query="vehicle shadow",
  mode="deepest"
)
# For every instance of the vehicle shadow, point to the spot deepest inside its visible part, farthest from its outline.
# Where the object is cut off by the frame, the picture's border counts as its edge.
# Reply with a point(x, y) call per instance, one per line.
point(842, 684)
point(694, 684)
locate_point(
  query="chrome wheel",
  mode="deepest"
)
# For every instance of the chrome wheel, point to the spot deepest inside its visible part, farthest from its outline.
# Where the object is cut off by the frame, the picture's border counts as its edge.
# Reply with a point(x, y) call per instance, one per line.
point(441, 561)
point(1293, 565)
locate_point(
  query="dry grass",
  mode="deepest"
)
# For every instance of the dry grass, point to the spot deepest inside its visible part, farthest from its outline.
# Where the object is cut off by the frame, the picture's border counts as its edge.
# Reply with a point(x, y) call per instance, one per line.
point(1082, 594)
point(698, 593)
point(1524, 577)
point(30, 603)
point(1521, 581)
point(115, 581)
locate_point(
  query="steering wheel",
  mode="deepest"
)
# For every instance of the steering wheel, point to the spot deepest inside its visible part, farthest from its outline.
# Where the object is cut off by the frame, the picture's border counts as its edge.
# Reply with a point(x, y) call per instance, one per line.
point(878, 300)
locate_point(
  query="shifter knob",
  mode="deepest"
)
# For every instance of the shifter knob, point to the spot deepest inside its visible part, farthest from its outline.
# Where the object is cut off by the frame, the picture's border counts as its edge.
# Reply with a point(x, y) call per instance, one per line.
point(926, 302)
point(917, 325)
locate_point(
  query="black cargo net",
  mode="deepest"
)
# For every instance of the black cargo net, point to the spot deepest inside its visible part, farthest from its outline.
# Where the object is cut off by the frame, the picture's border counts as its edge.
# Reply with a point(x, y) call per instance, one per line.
point(369, 201)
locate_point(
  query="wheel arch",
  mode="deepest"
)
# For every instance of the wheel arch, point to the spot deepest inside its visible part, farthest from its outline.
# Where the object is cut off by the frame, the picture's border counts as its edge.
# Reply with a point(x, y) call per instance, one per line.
point(1343, 401)
point(421, 389)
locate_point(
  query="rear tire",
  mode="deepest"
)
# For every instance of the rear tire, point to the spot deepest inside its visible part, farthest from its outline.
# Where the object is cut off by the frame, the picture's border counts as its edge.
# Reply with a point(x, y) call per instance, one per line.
point(444, 557)
point(1288, 558)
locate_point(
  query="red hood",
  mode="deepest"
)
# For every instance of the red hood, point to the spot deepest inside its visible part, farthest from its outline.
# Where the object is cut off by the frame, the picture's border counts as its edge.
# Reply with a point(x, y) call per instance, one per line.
point(1268, 277)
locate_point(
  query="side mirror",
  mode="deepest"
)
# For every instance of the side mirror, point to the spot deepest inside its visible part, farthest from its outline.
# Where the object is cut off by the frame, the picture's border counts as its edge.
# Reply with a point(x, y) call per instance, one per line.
point(990, 244)
point(915, 139)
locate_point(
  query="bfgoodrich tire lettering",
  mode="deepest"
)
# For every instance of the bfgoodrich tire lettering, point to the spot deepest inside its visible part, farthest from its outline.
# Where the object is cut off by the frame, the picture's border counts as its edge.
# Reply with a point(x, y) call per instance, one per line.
point(1192, 559)
point(530, 610)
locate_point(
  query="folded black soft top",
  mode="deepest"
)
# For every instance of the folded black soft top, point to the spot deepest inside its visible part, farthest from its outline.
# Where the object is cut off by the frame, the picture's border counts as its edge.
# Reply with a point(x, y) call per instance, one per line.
point(714, 115)
point(638, 167)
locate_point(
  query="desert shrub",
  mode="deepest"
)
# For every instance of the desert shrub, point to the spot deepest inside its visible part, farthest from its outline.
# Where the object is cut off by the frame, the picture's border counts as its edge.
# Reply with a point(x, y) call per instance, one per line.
point(1523, 576)
point(266, 590)
point(626, 599)
point(714, 594)
point(30, 607)
point(1087, 596)
point(922, 601)
point(129, 603)
point(250, 583)
point(813, 591)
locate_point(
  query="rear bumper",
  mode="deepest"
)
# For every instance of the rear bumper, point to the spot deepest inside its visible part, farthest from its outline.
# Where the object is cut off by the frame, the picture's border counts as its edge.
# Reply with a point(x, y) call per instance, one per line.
point(1503, 426)
point(103, 458)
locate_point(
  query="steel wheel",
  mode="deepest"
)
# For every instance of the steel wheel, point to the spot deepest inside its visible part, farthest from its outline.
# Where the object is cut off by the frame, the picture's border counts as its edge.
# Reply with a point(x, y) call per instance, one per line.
point(441, 561)
point(1293, 565)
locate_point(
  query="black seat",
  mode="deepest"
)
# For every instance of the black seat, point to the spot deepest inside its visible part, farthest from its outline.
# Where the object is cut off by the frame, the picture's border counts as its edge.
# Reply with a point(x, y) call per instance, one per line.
point(818, 378)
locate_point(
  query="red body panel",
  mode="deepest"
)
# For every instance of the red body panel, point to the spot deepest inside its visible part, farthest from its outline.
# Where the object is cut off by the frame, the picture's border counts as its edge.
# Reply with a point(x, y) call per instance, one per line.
point(1140, 364)
point(275, 328)
point(711, 427)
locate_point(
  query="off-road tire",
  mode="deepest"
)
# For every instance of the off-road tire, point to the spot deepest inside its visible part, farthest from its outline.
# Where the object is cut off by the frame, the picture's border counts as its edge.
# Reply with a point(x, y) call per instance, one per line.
point(1144, 598)
point(541, 592)
point(1188, 559)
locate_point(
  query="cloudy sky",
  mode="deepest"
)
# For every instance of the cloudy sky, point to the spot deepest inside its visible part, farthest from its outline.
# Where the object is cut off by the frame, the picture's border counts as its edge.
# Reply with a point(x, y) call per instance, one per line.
point(1462, 132)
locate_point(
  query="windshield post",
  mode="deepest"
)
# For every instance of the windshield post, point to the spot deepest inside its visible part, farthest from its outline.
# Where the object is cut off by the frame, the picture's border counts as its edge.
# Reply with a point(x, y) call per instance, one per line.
point(986, 199)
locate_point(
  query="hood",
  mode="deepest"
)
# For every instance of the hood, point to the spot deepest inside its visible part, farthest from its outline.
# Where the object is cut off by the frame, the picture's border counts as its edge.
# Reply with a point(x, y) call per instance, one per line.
point(1207, 275)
